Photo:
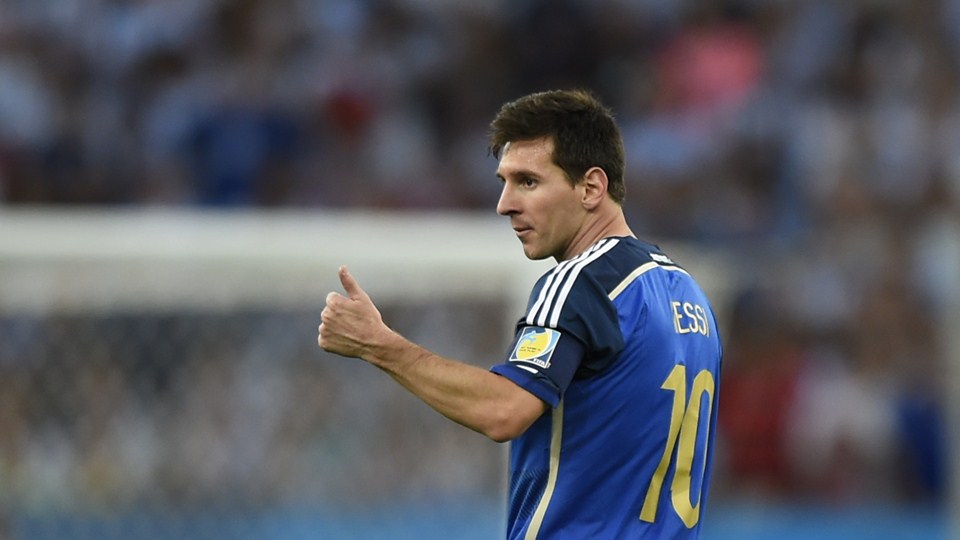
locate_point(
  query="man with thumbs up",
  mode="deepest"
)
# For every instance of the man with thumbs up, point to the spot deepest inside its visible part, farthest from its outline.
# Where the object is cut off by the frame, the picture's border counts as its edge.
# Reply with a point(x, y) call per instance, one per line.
point(606, 394)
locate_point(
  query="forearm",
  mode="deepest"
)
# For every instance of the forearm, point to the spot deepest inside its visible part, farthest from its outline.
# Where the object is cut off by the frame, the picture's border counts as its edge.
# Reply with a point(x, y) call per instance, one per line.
point(472, 396)
point(469, 395)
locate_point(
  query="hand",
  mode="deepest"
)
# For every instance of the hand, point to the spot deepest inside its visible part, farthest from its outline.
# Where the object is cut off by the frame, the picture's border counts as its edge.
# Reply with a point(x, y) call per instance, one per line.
point(349, 325)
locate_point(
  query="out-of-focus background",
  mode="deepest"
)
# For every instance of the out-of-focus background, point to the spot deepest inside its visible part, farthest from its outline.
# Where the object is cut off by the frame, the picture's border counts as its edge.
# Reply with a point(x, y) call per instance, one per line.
point(179, 180)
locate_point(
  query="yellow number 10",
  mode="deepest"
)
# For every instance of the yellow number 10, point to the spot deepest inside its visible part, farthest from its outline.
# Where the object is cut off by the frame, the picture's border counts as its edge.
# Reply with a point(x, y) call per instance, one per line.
point(684, 424)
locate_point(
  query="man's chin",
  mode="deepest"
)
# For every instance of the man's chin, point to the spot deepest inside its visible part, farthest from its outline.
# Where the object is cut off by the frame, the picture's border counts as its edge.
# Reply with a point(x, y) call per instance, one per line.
point(534, 255)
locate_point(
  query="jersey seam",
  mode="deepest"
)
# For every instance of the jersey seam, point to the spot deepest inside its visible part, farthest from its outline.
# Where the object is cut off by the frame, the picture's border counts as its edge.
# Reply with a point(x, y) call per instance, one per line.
point(556, 442)
point(639, 271)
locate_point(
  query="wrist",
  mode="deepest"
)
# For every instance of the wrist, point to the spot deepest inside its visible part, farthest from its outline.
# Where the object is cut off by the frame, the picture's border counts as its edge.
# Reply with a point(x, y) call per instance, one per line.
point(386, 350)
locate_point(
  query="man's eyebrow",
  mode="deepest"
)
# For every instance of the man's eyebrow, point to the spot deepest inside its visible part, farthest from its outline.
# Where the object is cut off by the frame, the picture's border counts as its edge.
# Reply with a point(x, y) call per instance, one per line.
point(519, 174)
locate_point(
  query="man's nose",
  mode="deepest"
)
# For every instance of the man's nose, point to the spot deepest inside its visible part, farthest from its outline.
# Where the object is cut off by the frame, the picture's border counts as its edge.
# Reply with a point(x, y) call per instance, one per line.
point(506, 204)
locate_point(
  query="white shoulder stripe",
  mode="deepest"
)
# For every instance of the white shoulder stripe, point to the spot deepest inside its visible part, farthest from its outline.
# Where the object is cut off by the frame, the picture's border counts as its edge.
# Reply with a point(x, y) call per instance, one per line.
point(555, 275)
point(568, 283)
point(553, 283)
point(557, 287)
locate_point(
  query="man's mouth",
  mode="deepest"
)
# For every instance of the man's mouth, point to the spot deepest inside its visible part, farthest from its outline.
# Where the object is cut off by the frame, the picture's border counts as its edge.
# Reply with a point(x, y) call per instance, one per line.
point(522, 231)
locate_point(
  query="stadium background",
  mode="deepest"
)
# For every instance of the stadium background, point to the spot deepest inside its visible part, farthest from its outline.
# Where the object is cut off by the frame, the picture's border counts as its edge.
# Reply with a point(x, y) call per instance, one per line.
point(808, 151)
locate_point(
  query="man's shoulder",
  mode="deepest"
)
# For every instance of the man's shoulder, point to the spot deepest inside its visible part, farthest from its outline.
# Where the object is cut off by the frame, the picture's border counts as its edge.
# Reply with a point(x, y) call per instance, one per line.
point(626, 256)
point(604, 265)
point(633, 251)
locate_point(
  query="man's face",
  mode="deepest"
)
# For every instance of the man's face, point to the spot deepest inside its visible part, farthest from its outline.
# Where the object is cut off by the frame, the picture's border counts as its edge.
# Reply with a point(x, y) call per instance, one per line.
point(544, 209)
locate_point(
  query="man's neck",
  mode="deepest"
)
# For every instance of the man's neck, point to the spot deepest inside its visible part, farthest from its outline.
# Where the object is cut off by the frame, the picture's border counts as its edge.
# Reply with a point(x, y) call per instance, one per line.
point(604, 225)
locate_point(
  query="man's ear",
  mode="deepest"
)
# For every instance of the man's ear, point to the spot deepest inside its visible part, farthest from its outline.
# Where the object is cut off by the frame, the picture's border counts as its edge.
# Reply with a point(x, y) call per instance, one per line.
point(595, 187)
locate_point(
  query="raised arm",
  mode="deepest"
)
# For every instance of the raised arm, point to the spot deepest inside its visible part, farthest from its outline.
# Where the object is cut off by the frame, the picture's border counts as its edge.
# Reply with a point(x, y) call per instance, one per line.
point(469, 395)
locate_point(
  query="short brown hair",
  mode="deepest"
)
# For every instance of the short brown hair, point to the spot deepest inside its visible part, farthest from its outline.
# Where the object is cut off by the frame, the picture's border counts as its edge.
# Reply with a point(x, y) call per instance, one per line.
point(584, 133)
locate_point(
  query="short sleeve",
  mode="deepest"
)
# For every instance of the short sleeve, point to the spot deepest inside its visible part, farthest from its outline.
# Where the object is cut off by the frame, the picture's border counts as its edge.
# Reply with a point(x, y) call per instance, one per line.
point(542, 361)
point(586, 313)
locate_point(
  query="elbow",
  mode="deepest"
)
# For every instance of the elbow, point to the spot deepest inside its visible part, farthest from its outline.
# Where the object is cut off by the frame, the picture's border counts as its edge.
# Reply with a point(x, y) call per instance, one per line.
point(508, 413)
point(508, 423)
point(502, 434)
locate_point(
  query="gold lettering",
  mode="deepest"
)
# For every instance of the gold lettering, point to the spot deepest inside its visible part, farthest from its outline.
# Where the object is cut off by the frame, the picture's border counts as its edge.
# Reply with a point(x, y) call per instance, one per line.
point(702, 317)
point(676, 318)
point(688, 310)
point(690, 318)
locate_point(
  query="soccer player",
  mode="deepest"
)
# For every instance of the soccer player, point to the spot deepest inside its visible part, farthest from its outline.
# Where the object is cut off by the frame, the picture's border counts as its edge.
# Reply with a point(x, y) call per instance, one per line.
point(609, 390)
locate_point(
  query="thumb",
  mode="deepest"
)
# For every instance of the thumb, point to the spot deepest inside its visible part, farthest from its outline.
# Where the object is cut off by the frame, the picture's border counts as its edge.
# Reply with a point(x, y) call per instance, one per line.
point(350, 284)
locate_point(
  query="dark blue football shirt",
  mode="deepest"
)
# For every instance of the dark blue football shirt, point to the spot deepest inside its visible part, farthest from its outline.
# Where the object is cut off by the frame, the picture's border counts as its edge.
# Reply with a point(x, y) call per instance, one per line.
point(623, 345)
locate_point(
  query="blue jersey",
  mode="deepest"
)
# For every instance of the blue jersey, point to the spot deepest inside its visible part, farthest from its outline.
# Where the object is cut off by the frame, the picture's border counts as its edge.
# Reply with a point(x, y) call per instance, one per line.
point(623, 345)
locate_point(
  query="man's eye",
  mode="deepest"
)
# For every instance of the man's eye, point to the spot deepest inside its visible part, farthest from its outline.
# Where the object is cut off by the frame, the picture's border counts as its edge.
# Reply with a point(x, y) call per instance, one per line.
point(528, 182)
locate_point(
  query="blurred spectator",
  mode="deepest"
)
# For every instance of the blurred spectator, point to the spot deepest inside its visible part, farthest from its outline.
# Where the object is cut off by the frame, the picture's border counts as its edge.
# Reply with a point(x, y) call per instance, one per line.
point(763, 362)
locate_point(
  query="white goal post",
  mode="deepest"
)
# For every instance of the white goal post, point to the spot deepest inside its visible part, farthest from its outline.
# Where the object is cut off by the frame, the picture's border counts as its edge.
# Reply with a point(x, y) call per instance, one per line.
point(99, 260)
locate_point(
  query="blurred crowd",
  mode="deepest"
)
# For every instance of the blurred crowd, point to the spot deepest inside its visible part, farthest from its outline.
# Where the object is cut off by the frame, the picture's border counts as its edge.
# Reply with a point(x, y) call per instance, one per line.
point(227, 412)
point(815, 141)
